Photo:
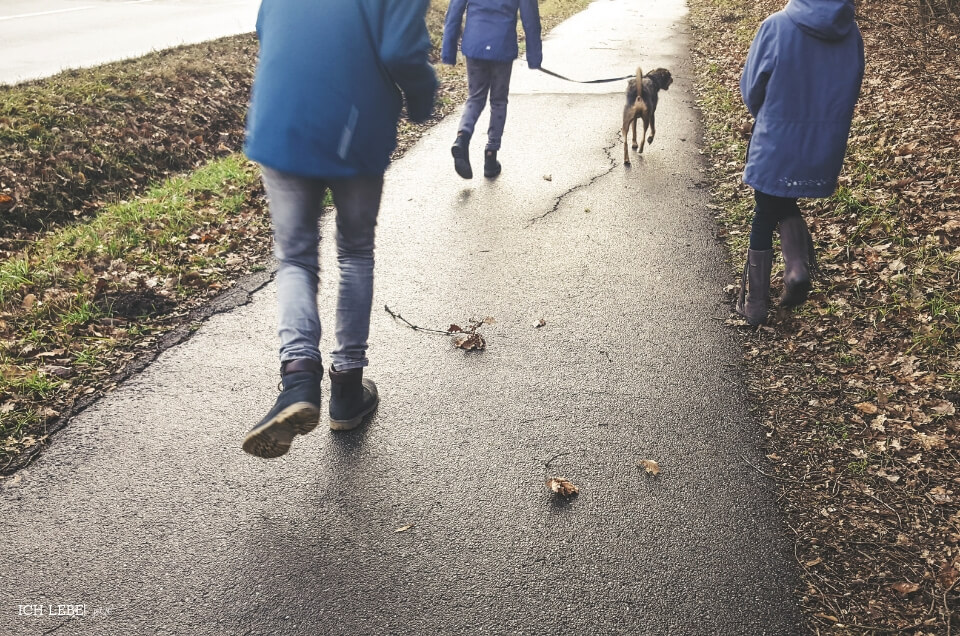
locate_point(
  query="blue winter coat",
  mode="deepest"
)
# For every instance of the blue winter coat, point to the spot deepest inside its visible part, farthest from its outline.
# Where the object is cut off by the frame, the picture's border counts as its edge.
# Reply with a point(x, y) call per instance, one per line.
point(801, 82)
point(491, 30)
point(327, 89)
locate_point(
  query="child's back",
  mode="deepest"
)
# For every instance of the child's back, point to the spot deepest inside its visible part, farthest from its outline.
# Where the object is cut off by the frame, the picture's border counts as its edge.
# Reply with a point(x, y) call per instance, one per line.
point(801, 82)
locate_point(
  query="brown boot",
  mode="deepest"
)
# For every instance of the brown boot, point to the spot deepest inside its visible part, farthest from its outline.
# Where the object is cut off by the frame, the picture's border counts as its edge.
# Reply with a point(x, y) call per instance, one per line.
point(754, 300)
point(799, 260)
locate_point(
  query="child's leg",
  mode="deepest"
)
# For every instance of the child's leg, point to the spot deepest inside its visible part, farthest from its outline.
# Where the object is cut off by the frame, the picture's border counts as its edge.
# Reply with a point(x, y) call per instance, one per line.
point(499, 89)
point(478, 85)
point(767, 215)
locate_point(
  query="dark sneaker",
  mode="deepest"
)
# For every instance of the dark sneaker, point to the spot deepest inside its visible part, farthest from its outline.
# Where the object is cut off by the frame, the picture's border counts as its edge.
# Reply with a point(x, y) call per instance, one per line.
point(296, 412)
point(461, 156)
point(491, 167)
point(352, 398)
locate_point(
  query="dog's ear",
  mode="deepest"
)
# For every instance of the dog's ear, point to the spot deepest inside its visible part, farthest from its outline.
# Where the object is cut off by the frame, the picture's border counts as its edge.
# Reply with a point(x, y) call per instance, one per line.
point(664, 79)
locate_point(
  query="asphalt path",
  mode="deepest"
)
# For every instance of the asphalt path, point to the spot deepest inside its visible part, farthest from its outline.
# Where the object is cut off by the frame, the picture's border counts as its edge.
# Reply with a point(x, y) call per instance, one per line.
point(434, 518)
point(42, 37)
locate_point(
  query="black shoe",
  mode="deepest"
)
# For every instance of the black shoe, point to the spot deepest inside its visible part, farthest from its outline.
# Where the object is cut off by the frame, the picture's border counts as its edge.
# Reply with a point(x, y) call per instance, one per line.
point(352, 398)
point(296, 412)
point(461, 156)
point(491, 167)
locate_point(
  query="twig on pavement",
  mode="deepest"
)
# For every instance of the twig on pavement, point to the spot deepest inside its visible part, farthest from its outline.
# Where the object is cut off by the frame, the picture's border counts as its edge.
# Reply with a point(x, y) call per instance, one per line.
point(397, 316)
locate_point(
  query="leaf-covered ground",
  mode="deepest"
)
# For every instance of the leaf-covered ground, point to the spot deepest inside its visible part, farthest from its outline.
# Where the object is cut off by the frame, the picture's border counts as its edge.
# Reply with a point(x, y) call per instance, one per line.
point(858, 391)
point(124, 209)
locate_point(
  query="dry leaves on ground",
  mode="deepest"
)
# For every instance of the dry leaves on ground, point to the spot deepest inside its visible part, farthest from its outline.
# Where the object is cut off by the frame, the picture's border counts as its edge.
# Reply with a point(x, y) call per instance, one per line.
point(563, 487)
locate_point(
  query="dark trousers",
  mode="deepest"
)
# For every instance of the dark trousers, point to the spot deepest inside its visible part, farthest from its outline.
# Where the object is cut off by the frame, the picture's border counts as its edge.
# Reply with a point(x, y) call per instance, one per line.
point(486, 77)
point(767, 214)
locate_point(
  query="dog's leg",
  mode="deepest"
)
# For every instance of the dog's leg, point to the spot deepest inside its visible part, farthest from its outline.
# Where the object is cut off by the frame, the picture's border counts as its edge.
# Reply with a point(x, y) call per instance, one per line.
point(626, 129)
point(634, 125)
point(653, 127)
point(643, 137)
point(626, 155)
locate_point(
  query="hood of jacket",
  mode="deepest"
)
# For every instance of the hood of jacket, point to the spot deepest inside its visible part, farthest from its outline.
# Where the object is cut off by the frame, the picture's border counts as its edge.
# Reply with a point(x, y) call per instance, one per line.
point(824, 19)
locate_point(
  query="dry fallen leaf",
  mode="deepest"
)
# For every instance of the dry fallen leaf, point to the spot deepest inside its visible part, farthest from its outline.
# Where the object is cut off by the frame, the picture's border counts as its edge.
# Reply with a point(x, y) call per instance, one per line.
point(948, 576)
point(405, 528)
point(472, 342)
point(540, 323)
point(563, 487)
point(29, 300)
point(652, 467)
point(904, 588)
point(454, 329)
point(867, 407)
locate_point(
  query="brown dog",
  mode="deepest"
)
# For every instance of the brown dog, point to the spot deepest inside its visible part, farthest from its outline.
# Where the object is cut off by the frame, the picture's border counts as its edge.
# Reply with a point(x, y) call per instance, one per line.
point(642, 97)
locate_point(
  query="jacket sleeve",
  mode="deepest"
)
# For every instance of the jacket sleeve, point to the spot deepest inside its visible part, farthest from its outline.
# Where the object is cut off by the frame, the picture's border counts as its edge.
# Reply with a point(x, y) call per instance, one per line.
point(404, 51)
point(756, 72)
point(452, 24)
point(530, 17)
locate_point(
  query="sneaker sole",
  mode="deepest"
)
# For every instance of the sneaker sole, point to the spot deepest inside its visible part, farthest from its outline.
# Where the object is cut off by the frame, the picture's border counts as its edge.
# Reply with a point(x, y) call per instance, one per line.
point(353, 422)
point(269, 439)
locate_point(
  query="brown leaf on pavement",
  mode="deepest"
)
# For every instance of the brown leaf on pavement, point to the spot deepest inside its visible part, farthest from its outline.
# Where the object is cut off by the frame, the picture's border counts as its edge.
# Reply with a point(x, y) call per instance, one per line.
point(652, 467)
point(471, 342)
point(563, 487)
point(540, 323)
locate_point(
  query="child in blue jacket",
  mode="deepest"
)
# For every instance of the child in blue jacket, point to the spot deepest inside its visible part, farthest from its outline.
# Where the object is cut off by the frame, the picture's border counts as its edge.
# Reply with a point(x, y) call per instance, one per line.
point(331, 80)
point(801, 82)
point(490, 46)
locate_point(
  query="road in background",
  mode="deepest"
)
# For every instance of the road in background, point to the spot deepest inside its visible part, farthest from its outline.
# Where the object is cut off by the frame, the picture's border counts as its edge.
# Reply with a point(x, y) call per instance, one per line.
point(43, 37)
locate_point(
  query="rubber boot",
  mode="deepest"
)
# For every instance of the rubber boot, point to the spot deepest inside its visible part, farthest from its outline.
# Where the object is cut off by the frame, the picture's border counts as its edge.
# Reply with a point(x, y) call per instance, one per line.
point(352, 398)
point(461, 156)
point(799, 260)
point(754, 300)
point(491, 167)
point(296, 411)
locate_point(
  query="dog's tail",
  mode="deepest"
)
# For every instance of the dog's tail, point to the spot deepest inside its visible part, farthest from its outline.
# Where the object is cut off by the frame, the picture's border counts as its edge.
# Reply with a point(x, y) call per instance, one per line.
point(641, 105)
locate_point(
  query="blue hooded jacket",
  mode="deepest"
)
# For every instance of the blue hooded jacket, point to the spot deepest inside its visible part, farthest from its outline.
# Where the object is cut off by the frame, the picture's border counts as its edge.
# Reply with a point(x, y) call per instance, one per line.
point(801, 82)
point(491, 30)
point(327, 90)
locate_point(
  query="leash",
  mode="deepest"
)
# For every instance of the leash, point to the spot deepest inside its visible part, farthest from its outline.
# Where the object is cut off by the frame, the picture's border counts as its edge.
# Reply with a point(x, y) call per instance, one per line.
point(596, 81)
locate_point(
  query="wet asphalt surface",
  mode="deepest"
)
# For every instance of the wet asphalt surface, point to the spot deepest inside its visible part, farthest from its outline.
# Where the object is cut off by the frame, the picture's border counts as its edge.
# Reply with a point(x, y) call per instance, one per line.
point(145, 510)
point(43, 37)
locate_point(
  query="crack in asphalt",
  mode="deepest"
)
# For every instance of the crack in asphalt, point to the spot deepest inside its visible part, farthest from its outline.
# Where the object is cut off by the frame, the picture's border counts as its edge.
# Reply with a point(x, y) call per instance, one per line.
point(556, 205)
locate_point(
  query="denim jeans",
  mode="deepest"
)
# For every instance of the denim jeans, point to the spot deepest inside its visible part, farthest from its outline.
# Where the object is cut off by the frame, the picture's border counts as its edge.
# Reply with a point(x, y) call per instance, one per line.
point(485, 76)
point(295, 206)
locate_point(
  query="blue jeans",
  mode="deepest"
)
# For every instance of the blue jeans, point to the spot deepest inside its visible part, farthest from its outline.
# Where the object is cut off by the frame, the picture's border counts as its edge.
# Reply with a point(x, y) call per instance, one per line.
point(295, 206)
point(485, 76)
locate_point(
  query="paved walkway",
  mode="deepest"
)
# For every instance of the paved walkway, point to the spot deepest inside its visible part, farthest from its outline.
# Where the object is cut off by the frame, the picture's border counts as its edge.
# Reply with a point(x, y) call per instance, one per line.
point(146, 507)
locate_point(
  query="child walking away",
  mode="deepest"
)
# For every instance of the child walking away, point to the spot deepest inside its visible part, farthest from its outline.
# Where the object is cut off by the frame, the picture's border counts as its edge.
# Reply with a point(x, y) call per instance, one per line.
point(490, 46)
point(800, 82)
